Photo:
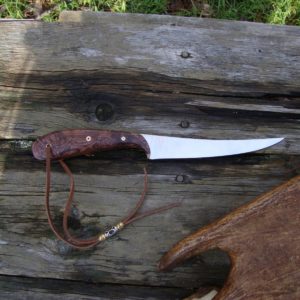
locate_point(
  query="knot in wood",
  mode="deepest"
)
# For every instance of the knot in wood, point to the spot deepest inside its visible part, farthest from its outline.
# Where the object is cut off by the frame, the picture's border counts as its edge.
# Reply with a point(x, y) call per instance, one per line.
point(104, 111)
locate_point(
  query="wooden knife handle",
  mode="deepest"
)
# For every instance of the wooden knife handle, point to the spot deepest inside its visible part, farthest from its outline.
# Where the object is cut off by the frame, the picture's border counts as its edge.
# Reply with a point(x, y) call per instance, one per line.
point(76, 142)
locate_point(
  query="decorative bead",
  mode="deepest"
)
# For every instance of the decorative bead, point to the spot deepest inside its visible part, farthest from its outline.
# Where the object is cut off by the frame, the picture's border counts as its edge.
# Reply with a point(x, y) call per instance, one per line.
point(120, 226)
point(111, 232)
point(102, 237)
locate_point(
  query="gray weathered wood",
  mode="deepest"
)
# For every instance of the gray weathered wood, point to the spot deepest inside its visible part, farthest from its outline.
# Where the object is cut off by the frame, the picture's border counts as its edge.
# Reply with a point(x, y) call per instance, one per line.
point(117, 67)
point(129, 69)
point(281, 108)
point(105, 191)
point(219, 50)
point(12, 288)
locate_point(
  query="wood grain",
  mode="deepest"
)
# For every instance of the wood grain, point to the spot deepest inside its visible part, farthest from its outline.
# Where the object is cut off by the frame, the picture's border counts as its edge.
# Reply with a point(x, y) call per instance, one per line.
point(262, 240)
point(50, 75)
point(13, 287)
point(71, 143)
point(106, 189)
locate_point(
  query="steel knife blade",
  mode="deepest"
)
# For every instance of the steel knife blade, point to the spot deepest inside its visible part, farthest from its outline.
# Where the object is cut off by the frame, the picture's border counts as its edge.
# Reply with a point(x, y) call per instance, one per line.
point(164, 147)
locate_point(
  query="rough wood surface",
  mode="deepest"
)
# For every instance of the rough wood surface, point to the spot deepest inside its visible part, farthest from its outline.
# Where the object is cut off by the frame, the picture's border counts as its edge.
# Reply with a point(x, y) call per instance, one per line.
point(106, 189)
point(262, 240)
point(135, 61)
point(128, 72)
point(13, 287)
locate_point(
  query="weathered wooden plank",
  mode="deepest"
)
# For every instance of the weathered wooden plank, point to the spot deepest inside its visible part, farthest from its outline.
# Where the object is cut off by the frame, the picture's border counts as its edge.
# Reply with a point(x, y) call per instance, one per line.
point(264, 57)
point(44, 88)
point(45, 103)
point(218, 50)
point(105, 191)
point(47, 78)
point(12, 288)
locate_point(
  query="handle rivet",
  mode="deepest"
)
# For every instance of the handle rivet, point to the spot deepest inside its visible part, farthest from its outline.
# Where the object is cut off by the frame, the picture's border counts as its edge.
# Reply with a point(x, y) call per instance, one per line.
point(88, 138)
point(123, 138)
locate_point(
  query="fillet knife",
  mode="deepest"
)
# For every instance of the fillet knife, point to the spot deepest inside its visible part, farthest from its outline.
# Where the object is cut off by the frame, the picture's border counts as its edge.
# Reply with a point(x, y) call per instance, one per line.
point(69, 143)
point(75, 142)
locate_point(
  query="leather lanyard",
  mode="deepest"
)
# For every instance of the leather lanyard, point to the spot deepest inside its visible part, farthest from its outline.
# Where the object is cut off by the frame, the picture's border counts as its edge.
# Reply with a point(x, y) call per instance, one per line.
point(67, 237)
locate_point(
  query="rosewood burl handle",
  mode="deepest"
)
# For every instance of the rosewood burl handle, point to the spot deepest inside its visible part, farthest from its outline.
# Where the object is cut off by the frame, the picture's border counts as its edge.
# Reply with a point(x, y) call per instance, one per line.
point(76, 142)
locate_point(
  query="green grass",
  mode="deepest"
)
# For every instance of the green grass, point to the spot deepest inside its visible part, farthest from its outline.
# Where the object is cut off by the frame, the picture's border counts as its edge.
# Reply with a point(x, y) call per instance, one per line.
point(13, 9)
point(266, 11)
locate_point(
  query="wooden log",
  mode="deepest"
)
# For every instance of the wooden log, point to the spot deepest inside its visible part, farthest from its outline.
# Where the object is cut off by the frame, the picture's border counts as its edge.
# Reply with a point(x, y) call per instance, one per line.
point(129, 72)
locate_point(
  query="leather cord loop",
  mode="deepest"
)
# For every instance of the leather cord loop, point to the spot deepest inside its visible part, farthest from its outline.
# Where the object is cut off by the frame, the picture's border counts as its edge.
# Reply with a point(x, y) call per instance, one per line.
point(67, 237)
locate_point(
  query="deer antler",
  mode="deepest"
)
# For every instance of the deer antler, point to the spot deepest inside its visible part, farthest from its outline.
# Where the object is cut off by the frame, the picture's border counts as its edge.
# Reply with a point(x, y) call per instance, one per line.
point(262, 239)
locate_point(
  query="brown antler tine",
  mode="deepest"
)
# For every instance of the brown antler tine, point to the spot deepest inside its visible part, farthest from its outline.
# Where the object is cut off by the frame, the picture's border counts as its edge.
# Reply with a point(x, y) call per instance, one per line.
point(262, 240)
point(202, 240)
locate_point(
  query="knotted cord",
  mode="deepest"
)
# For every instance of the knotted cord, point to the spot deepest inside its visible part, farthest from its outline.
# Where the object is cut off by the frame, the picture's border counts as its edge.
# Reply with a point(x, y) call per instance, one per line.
point(67, 237)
